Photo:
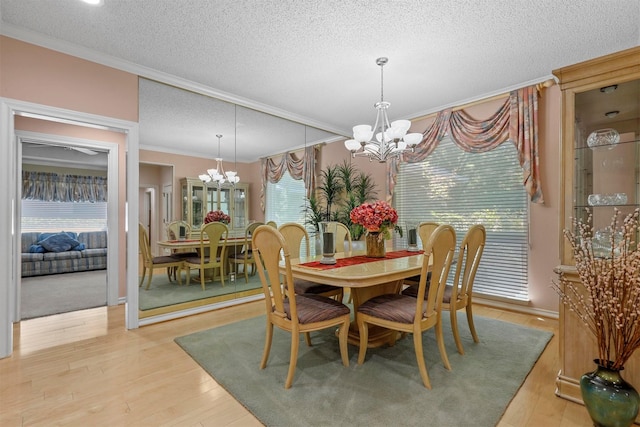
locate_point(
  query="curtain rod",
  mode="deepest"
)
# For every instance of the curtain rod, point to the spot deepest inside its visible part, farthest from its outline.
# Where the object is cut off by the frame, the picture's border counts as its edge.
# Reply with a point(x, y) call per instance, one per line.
point(539, 87)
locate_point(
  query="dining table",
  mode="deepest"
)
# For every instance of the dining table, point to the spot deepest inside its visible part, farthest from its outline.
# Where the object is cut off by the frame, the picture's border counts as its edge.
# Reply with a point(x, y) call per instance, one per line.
point(366, 277)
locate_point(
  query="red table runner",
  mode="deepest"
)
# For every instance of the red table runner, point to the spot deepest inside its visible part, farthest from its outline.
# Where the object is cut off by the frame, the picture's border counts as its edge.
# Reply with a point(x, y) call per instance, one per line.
point(354, 260)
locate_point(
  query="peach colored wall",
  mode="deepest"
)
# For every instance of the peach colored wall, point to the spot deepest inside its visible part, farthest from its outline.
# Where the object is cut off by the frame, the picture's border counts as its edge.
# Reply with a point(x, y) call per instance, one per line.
point(34, 74)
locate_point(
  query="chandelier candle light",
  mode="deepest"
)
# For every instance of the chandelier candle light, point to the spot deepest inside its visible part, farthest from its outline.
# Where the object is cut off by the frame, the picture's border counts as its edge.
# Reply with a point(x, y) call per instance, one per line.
point(391, 139)
point(218, 174)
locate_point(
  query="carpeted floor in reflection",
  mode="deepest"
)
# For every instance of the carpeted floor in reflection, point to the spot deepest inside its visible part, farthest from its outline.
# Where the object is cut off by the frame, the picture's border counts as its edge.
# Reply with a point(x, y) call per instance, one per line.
point(163, 293)
point(386, 390)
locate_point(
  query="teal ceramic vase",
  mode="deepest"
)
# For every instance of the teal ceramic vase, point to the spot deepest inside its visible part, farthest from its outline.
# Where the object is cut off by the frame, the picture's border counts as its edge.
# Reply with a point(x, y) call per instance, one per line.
point(610, 400)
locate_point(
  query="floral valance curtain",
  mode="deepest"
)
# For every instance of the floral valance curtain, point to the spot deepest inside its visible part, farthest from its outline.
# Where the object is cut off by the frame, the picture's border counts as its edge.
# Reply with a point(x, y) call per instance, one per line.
point(303, 168)
point(53, 187)
point(516, 121)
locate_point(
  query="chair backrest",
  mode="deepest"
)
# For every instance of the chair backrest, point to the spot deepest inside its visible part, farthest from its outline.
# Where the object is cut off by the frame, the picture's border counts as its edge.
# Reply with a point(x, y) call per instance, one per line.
point(216, 233)
point(271, 248)
point(342, 234)
point(143, 244)
point(469, 256)
point(439, 249)
point(173, 229)
point(293, 233)
point(272, 224)
point(248, 232)
point(425, 229)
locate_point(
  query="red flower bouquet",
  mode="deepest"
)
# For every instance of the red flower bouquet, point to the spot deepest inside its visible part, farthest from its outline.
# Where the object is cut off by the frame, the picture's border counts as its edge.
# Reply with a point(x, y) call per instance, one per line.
point(375, 217)
point(218, 216)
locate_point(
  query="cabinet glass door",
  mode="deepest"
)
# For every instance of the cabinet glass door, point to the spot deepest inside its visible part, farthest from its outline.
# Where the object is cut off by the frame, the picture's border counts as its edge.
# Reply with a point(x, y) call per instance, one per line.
point(606, 155)
point(239, 208)
point(225, 196)
point(197, 205)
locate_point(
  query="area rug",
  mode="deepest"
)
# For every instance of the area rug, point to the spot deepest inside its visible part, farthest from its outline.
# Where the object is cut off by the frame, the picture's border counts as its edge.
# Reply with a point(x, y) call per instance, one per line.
point(163, 293)
point(386, 390)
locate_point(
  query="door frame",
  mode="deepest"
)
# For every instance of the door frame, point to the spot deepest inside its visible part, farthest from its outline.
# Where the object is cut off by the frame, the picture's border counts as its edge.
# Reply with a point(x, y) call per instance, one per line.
point(9, 269)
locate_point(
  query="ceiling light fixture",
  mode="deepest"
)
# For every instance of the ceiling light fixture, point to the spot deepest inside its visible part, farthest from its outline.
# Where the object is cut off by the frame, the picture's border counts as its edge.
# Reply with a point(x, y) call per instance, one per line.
point(612, 114)
point(391, 139)
point(94, 2)
point(218, 174)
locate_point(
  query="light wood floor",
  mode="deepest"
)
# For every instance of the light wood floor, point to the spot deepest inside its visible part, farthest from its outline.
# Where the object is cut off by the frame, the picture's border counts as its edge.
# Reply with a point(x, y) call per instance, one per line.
point(84, 368)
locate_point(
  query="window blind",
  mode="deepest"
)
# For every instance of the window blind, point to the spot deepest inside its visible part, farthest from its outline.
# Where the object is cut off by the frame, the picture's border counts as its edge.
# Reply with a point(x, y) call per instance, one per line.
point(459, 188)
point(285, 202)
point(63, 216)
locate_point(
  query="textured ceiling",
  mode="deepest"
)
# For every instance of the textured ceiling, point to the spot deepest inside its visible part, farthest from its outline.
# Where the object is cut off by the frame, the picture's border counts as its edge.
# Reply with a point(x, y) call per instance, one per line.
point(314, 61)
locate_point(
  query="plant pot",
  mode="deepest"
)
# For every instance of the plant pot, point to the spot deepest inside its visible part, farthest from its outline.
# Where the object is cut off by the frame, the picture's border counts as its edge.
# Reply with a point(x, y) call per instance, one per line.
point(610, 400)
point(375, 245)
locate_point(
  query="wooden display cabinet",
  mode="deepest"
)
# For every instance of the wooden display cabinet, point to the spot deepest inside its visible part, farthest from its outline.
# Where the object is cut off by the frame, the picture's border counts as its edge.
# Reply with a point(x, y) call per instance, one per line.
point(198, 199)
point(603, 93)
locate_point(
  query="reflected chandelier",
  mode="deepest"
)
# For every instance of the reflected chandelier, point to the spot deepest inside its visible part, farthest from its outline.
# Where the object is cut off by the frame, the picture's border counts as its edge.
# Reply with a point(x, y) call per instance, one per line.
point(218, 174)
point(391, 139)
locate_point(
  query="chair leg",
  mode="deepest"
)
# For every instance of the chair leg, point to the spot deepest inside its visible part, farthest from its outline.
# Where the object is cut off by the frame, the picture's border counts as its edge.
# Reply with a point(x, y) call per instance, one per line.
point(222, 274)
point(144, 272)
point(453, 314)
point(307, 339)
point(267, 345)
point(188, 275)
point(246, 273)
point(202, 278)
point(440, 340)
point(363, 328)
point(343, 338)
point(149, 279)
point(472, 327)
point(293, 359)
point(417, 343)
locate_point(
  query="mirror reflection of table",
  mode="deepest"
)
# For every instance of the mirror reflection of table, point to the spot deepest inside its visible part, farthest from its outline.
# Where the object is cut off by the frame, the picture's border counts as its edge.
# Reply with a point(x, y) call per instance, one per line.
point(372, 277)
point(233, 244)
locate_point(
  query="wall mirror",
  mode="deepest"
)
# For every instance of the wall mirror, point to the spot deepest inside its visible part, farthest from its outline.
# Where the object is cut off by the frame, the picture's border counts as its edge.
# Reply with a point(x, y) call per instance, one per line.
point(178, 142)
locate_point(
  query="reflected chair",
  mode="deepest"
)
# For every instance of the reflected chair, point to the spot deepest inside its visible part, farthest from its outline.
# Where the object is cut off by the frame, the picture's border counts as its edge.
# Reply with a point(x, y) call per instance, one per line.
point(294, 234)
point(458, 296)
point(245, 257)
point(173, 230)
point(406, 314)
point(343, 234)
point(150, 262)
point(212, 251)
point(173, 233)
point(287, 310)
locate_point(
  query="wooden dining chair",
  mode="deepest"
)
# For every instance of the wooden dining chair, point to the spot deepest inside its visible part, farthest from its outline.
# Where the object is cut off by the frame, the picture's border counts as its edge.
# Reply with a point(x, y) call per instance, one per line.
point(459, 294)
point(150, 262)
point(429, 227)
point(343, 235)
point(294, 234)
point(287, 310)
point(212, 251)
point(245, 257)
point(173, 233)
point(415, 315)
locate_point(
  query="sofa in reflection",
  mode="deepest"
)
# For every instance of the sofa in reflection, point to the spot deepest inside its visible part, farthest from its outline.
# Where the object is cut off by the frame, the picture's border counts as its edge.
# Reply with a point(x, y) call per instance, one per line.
point(63, 252)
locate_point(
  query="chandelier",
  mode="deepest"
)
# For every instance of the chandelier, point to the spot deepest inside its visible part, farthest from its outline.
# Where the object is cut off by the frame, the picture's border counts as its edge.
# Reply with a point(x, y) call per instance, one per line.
point(218, 174)
point(391, 139)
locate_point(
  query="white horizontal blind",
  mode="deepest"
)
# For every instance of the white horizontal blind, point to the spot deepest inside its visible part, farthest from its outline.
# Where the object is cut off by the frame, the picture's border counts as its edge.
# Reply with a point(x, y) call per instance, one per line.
point(462, 189)
point(285, 202)
point(63, 216)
